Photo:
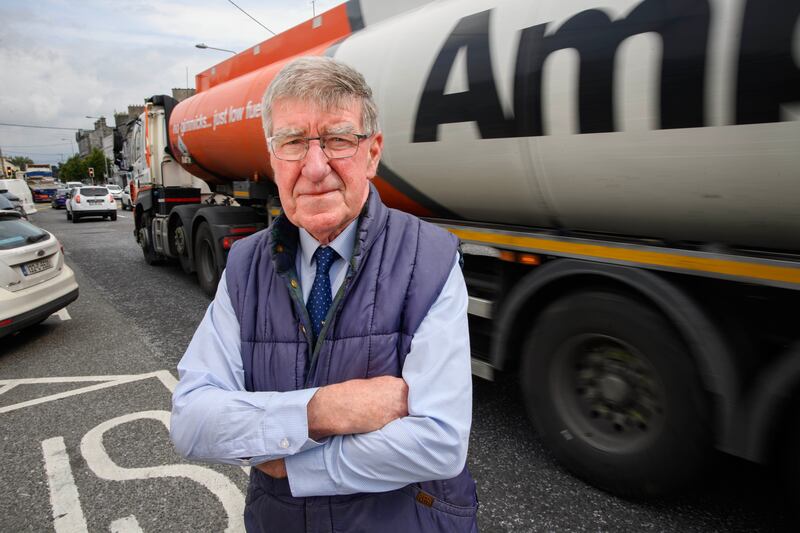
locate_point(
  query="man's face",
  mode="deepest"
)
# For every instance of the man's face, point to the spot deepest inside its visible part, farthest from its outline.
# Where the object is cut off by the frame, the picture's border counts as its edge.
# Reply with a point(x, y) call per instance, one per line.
point(319, 194)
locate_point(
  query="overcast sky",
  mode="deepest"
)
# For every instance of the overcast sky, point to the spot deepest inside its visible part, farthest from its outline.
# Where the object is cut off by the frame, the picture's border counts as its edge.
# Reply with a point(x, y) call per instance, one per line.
point(61, 60)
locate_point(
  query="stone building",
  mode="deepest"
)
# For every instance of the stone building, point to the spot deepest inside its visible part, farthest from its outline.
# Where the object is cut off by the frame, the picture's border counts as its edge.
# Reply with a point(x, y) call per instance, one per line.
point(182, 94)
point(90, 139)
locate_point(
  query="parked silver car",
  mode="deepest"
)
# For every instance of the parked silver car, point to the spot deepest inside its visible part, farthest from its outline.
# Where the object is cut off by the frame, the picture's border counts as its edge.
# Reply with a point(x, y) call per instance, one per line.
point(35, 282)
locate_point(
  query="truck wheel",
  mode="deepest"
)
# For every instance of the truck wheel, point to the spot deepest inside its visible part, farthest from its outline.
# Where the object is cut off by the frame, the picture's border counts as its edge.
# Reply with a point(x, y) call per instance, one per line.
point(151, 257)
point(613, 392)
point(205, 260)
point(790, 460)
point(179, 245)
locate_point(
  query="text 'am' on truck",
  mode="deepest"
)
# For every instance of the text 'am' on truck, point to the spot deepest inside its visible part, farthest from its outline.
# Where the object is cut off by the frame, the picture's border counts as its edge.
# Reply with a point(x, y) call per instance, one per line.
point(624, 176)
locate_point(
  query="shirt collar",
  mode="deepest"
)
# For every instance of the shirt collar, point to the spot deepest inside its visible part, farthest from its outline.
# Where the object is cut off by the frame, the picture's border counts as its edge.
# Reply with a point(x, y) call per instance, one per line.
point(343, 243)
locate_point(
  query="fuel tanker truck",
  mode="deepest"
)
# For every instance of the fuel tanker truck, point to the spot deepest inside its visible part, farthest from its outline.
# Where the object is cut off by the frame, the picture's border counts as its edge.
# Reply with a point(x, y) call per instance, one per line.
point(624, 176)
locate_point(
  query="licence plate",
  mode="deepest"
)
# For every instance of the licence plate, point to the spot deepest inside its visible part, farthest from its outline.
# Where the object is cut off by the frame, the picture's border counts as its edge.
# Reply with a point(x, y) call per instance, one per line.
point(34, 267)
point(95, 201)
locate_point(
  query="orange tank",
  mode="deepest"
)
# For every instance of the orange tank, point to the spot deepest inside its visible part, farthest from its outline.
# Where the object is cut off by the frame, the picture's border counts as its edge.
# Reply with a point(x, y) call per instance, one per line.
point(219, 128)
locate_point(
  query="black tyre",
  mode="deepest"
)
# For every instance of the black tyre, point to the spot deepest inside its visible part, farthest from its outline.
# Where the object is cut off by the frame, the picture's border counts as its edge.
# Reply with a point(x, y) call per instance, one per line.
point(75, 218)
point(151, 257)
point(613, 392)
point(205, 260)
point(113, 216)
point(178, 241)
point(69, 215)
point(790, 459)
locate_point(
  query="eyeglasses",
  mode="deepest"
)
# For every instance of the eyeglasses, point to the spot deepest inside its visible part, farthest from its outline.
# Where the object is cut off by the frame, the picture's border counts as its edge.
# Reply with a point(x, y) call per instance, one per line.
point(334, 145)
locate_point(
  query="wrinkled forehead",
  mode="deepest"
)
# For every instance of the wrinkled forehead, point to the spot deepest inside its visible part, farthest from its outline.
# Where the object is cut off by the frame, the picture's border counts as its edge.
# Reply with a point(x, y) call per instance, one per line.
point(342, 113)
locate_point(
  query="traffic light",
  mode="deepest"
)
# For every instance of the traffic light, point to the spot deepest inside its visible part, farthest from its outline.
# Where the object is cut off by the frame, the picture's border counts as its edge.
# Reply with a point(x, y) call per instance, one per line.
point(9, 172)
point(91, 172)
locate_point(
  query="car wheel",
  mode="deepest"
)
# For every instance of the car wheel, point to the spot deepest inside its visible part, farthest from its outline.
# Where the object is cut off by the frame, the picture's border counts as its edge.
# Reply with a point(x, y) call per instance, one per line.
point(113, 216)
point(205, 260)
point(74, 218)
point(69, 215)
point(613, 392)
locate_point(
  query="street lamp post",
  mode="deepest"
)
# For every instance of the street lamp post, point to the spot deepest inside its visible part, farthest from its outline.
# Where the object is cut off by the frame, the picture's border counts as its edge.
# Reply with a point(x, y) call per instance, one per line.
point(105, 159)
point(204, 46)
point(71, 145)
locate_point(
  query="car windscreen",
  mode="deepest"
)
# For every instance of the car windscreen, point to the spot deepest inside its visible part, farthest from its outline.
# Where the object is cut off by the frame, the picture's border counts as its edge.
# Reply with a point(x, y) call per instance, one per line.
point(15, 232)
point(94, 191)
point(5, 203)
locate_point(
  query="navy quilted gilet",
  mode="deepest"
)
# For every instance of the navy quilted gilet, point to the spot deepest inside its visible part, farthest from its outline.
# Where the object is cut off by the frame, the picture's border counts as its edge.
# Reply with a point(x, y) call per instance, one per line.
point(397, 271)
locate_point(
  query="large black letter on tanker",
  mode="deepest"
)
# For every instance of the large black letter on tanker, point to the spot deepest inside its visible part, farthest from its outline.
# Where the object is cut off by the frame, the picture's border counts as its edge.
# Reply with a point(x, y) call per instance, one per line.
point(480, 103)
point(683, 27)
point(768, 74)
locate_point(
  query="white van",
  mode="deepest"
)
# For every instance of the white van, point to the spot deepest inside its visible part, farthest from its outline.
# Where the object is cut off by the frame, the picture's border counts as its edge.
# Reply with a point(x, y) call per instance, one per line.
point(20, 189)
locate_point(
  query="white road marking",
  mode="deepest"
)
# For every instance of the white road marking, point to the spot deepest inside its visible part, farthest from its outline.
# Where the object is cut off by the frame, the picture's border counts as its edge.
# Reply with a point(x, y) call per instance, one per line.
point(63, 314)
point(166, 377)
point(104, 467)
point(129, 524)
point(73, 379)
point(5, 388)
point(106, 382)
point(64, 499)
point(122, 216)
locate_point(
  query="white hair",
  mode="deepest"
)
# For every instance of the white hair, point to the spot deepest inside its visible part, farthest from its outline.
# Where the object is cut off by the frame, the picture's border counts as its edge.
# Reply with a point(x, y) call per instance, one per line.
point(325, 82)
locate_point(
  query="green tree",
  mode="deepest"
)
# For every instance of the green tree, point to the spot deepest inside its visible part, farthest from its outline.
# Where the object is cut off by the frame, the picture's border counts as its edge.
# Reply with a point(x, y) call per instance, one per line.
point(21, 161)
point(74, 169)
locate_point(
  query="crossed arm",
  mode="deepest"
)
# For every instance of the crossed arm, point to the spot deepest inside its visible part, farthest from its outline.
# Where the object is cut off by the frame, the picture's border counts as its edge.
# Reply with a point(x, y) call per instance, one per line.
point(350, 407)
point(366, 435)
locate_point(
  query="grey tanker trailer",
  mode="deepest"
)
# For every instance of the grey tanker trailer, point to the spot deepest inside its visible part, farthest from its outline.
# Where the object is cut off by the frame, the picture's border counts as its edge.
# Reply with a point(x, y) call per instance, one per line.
point(625, 177)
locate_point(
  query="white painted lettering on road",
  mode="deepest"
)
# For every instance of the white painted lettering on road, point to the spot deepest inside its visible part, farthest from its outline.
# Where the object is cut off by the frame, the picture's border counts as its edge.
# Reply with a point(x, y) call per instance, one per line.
point(64, 499)
point(104, 467)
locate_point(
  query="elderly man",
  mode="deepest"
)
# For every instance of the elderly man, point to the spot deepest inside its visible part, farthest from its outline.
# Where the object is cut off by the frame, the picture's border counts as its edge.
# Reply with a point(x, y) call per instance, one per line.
point(335, 355)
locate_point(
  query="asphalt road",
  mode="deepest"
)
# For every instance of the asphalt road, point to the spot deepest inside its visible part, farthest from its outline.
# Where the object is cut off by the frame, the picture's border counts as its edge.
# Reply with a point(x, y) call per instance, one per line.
point(85, 445)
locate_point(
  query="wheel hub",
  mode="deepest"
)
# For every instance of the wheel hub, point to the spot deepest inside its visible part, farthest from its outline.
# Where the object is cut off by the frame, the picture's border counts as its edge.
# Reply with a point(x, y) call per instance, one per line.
point(615, 389)
point(143, 238)
point(180, 240)
point(610, 392)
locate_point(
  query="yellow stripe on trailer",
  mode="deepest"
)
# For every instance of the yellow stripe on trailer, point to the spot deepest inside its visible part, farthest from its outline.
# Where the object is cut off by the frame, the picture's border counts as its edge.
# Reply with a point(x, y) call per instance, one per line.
point(765, 271)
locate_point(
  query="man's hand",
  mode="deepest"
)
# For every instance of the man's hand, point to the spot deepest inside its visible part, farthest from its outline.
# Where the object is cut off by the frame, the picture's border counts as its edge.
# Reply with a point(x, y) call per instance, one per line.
point(275, 468)
point(357, 406)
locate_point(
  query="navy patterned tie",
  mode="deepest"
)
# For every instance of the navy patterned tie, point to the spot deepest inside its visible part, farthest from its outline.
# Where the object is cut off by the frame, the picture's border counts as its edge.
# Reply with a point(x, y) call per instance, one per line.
point(319, 301)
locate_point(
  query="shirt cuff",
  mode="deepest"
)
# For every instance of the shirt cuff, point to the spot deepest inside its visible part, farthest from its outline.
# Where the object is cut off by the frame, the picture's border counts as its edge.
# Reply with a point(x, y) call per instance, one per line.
point(285, 429)
point(307, 474)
